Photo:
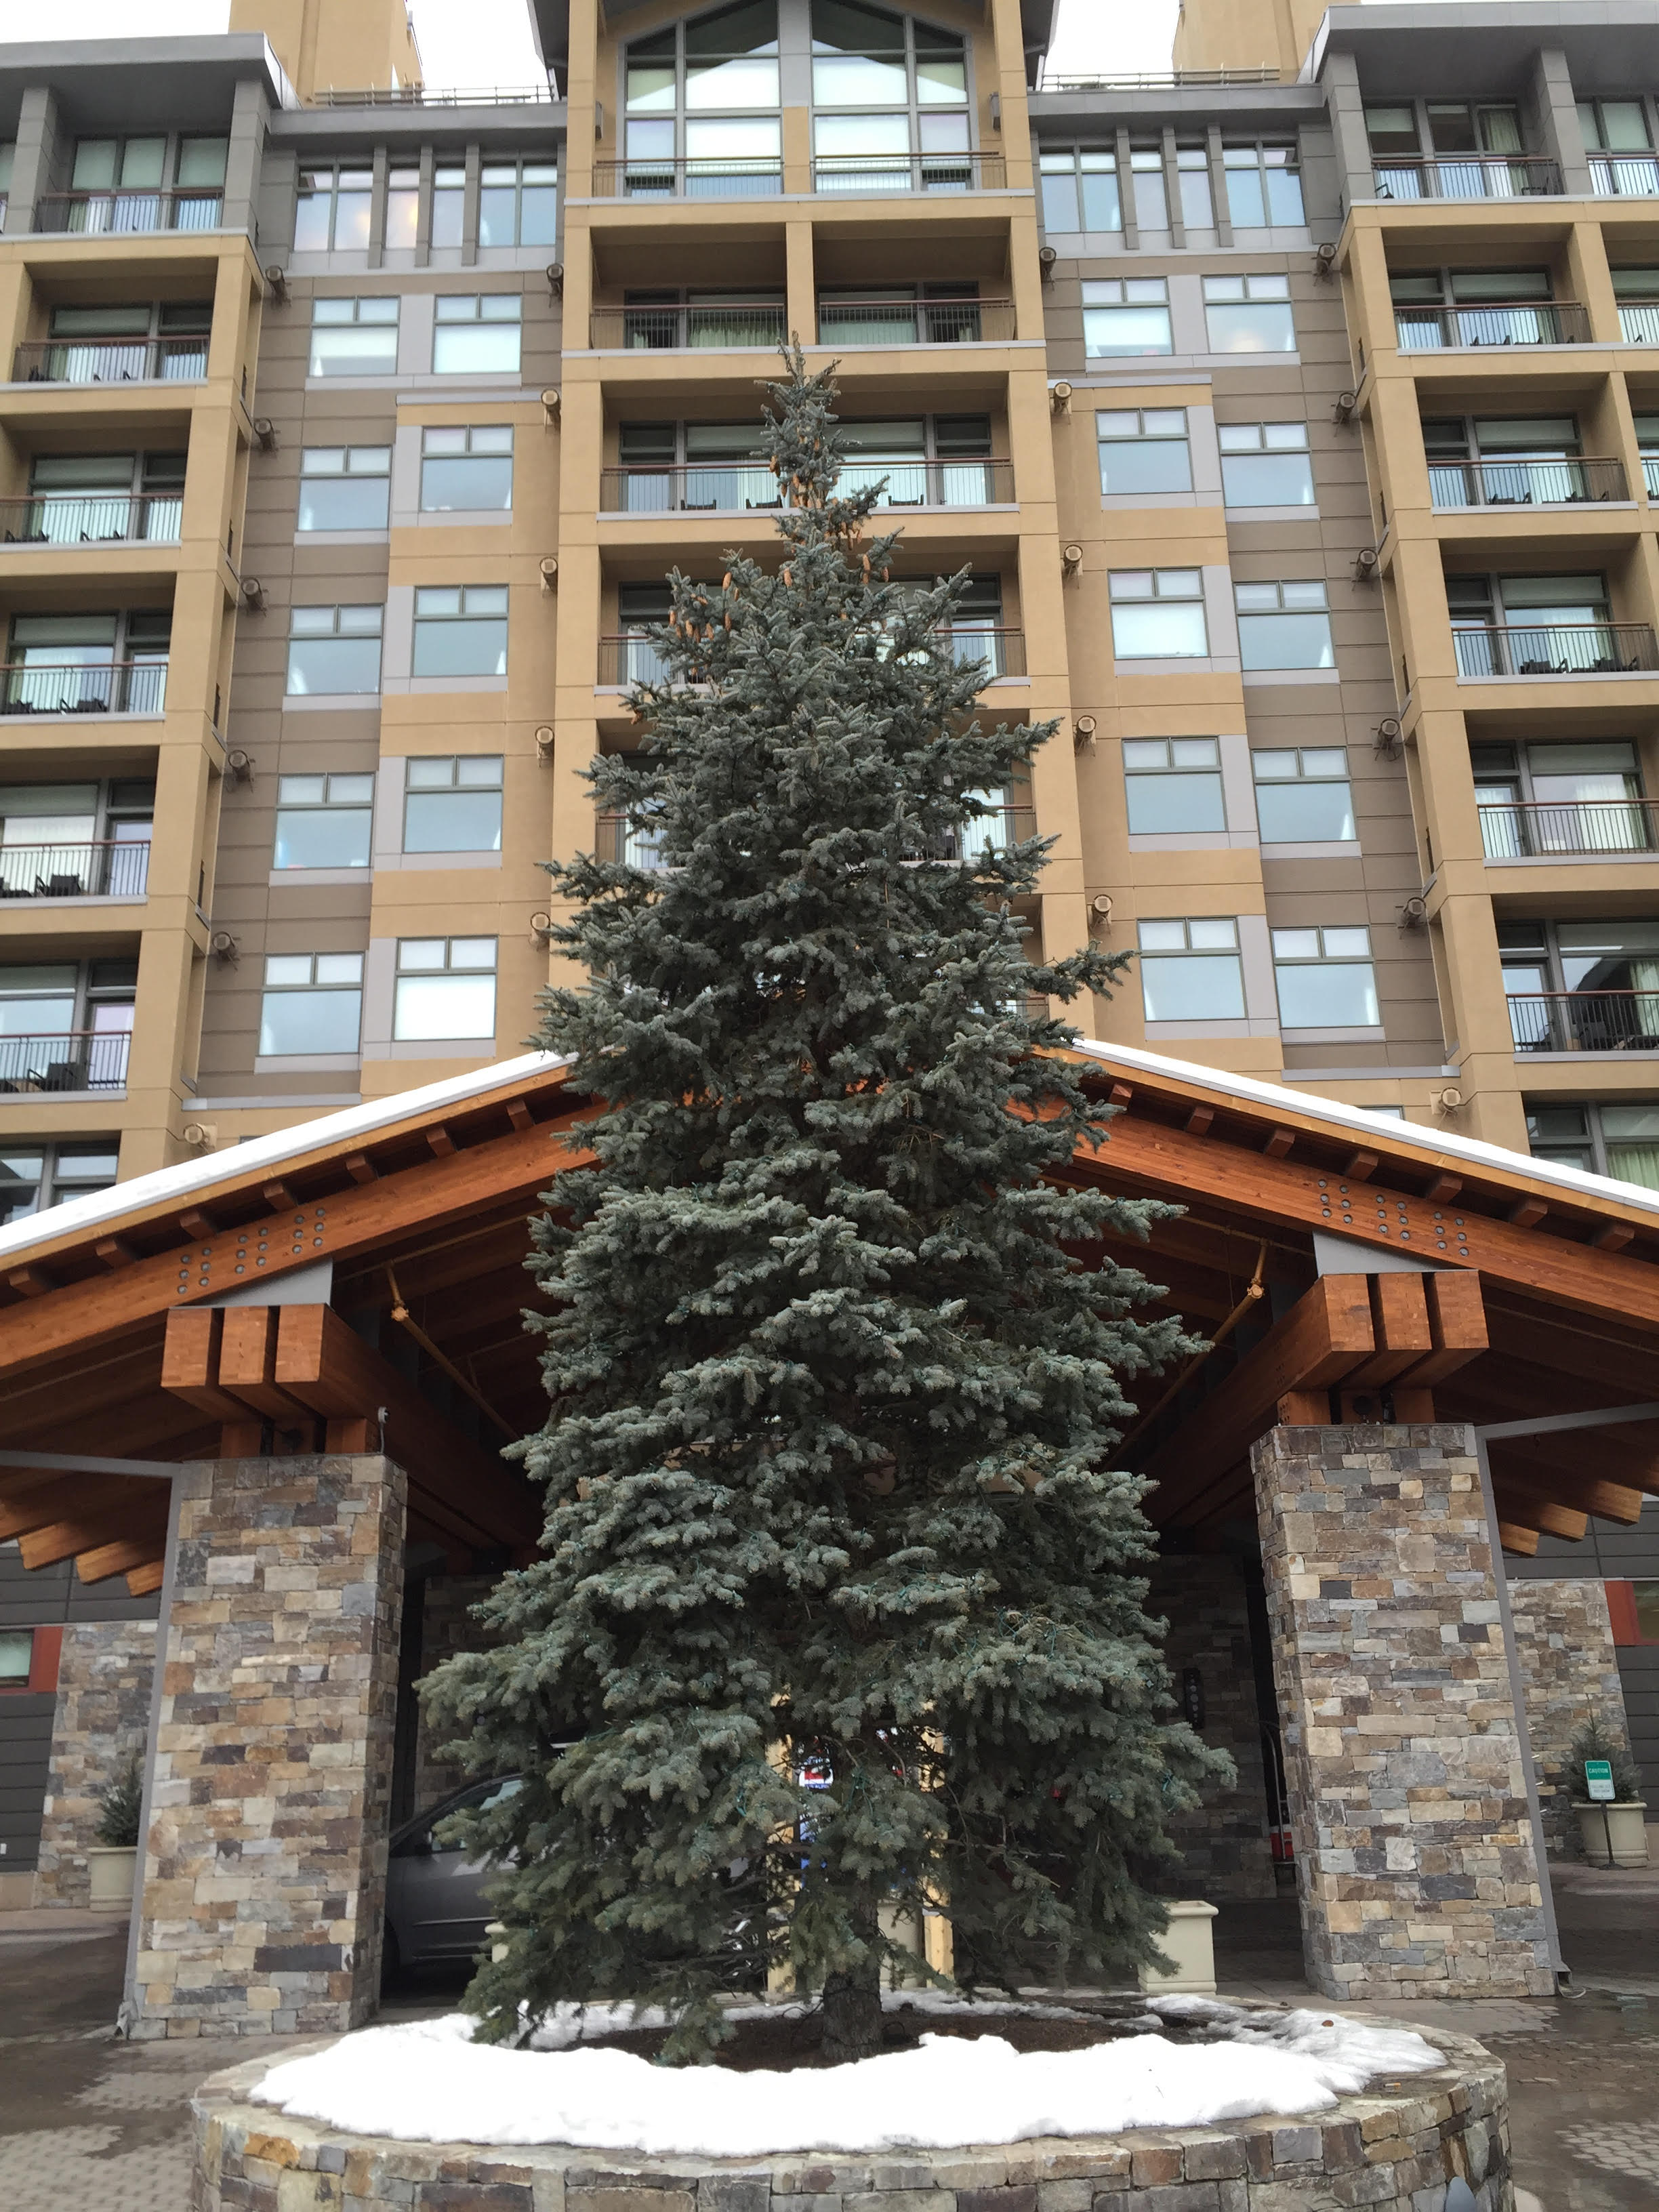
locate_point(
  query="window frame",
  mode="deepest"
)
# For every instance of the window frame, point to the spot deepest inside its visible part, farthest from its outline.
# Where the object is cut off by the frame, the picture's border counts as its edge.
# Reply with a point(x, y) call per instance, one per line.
point(345, 474)
point(1595, 1139)
point(52, 1186)
point(1303, 779)
point(335, 634)
point(357, 320)
point(1263, 452)
point(1155, 292)
point(436, 620)
point(1143, 436)
point(1189, 953)
point(443, 326)
point(313, 989)
point(466, 455)
point(1329, 961)
point(415, 790)
point(1263, 168)
point(1245, 299)
point(361, 803)
point(401, 974)
point(335, 169)
point(1282, 613)
point(1141, 774)
point(1156, 597)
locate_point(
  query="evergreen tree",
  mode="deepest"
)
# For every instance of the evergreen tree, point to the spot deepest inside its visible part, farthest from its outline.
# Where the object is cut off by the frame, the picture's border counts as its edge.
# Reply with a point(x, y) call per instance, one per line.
point(840, 1599)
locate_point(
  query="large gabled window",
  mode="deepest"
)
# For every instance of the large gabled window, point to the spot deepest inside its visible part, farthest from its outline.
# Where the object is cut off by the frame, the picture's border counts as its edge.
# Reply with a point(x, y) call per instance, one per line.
point(701, 99)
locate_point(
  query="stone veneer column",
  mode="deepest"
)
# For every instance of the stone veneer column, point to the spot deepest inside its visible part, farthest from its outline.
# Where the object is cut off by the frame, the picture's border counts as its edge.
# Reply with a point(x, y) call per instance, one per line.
point(264, 1873)
point(1570, 1668)
point(102, 1720)
point(1414, 1854)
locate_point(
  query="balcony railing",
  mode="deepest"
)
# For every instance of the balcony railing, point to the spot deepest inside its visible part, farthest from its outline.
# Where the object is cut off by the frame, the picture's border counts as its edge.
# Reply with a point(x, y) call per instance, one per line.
point(102, 868)
point(1554, 648)
point(732, 176)
point(1650, 474)
point(1468, 176)
point(105, 213)
point(1584, 1021)
point(631, 657)
point(1565, 483)
point(708, 487)
point(66, 1059)
point(112, 361)
point(914, 322)
point(420, 95)
point(629, 840)
point(909, 173)
point(1495, 323)
point(1526, 829)
point(1624, 176)
point(1639, 325)
point(690, 329)
point(634, 842)
point(96, 518)
point(121, 687)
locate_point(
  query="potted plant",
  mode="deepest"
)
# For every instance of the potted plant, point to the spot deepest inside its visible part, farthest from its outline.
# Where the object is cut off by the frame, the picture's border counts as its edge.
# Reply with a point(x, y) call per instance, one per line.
point(1613, 1831)
point(111, 1862)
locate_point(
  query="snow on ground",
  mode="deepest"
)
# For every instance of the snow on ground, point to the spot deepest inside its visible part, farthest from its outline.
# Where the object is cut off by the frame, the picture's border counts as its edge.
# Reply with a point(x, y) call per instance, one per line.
point(429, 2082)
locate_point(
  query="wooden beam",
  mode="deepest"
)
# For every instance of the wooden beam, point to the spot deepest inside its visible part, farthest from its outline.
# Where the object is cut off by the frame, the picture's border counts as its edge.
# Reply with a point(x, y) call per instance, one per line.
point(1278, 1143)
point(83, 1529)
point(1443, 1189)
point(1324, 1337)
point(120, 1556)
point(1119, 1094)
point(196, 1222)
point(1523, 1467)
point(518, 1113)
point(145, 1581)
point(60, 1497)
point(247, 1365)
point(190, 1362)
point(441, 1142)
point(1400, 1320)
point(32, 1282)
point(115, 1252)
point(278, 1197)
point(1457, 1327)
point(1361, 1167)
point(360, 1168)
point(1199, 1121)
point(1553, 1520)
point(1514, 1538)
point(1527, 1212)
point(1612, 1236)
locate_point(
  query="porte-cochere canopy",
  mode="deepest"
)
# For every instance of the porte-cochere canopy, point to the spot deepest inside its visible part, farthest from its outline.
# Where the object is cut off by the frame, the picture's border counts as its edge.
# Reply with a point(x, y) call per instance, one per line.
point(360, 1278)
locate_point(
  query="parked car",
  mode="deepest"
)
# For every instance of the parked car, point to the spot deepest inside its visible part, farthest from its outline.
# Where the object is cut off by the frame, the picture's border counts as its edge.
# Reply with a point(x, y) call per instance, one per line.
point(436, 1907)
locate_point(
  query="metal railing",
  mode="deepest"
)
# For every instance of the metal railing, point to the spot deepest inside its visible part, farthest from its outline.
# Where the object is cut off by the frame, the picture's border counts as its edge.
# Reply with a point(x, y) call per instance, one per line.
point(104, 213)
point(1162, 81)
point(93, 517)
point(633, 841)
point(1567, 482)
point(1554, 648)
point(1624, 176)
point(1468, 176)
point(420, 95)
point(914, 322)
point(631, 657)
point(1584, 1021)
point(670, 329)
point(1525, 830)
point(121, 687)
point(105, 867)
point(112, 361)
point(628, 840)
point(66, 1059)
point(865, 174)
point(1650, 474)
point(1639, 325)
point(1492, 323)
point(710, 487)
point(705, 177)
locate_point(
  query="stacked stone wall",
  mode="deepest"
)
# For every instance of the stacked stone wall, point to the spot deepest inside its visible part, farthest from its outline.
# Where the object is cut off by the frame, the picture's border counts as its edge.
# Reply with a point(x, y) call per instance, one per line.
point(1570, 1665)
point(105, 1677)
point(1224, 1844)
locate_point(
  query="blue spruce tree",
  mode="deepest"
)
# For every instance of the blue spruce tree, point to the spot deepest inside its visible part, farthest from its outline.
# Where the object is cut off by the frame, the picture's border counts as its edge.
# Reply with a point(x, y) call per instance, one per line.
point(840, 1599)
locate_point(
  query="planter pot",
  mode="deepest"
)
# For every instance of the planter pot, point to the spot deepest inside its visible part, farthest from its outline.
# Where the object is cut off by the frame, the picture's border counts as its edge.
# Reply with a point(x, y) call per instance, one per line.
point(1620, 1830)
point(1188, 1942)
point(112, 1867)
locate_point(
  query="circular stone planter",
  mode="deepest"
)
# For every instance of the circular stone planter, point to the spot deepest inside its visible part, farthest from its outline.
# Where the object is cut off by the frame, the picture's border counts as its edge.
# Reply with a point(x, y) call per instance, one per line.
point(1392, 2149)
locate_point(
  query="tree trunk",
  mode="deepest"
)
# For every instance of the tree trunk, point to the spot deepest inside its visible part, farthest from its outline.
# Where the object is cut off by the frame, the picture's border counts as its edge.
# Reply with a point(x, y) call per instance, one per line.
point(852, 2014)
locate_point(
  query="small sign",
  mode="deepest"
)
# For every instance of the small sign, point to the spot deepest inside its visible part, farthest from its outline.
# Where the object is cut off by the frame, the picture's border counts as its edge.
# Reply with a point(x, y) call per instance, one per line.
point(1598, 1780)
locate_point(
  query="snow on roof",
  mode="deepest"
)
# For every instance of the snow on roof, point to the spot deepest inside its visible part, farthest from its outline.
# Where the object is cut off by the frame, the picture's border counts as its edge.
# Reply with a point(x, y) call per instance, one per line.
point(196, 1178)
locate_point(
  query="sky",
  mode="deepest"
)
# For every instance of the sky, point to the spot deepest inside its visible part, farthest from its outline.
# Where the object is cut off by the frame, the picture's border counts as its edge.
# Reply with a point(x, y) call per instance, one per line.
point(485, 42)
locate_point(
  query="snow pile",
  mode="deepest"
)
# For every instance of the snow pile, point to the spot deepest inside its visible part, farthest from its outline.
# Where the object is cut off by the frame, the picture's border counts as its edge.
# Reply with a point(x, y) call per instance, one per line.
point(429, 2082)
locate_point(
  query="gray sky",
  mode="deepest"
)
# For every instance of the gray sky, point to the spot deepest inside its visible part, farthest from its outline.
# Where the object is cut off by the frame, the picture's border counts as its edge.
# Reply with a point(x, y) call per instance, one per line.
point(483, 42)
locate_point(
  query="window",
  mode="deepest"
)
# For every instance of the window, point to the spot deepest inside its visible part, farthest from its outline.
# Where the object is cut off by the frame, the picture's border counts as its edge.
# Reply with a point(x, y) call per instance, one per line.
point(448, 204)
point(1174, 784)
point(1582, 986)
point(1079, 191)
point(323, 820)
point(1248, 314)
point(446, 988)
point(1193, 169)
point(1536, 799)
point(1266, 465)
point(16, 1653)
point(477, 336)
point(105, 497)
point(354, 338)
point(466, 470)
point(453, 805)
point(1144, 449)
point(1126, 315)
point(402, 208)
point(1546, 626)
point(1264, 187)
point(864, 58)
point(1620, 147)
point(345, 487)
point(35, 1176)
point(688, 87)
point(518, 203)
point(1326, 980)
point(333, 211)
point(1302, 795)
point(65, 1026)
point(334, 650)
point(88, 663)
point(1151, 202)
point(1157, 614)
point(75, 840)
point(729, 60)
point(1523, 461)
point(460, 629)
point(312, 1003)
point(1637, 291)
point(1612, 1140)
point(1190, 971)
point(120, 185)
point(1284, 626)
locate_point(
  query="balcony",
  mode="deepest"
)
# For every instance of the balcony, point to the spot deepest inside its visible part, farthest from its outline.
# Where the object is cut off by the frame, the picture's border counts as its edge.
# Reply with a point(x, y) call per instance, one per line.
point(121, 687)
point(736, 488)
point(1640, 325)
point(101, 868)
point(844, 322)
point(72, 1060)
point(1554, 648)
point(866, 173)
point(632, 656)
point(723, 328)
point(1587, 829)
point(631, 839)
point(1494, 323)
point(747, 177)
point(112, 361)
point(1624, 176)
point(114, 214)
point(1584, 1021)
point(1468, 176)
point(1564, 483)
point(99, 518)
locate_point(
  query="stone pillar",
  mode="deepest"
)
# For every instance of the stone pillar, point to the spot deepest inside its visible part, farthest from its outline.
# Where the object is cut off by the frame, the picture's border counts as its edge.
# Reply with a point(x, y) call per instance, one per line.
point(102, 1720)
point(1224, 1844)
point(1414, 1841)
point(1570, 1667)
point(264, 1869)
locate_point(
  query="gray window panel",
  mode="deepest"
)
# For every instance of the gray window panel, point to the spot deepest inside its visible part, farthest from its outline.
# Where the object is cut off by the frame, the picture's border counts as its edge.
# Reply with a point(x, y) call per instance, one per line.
point(475, 483)
point(453, 822)
point(334, 666)
point(1151, 632)
point(1193, 987)
point(323, 836)
point(1267, 479)
point(460, 647)
point(315, 1021)
point(1327, 995)
point(1171, 803)
point(1305, 813)
point(1289, 640)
